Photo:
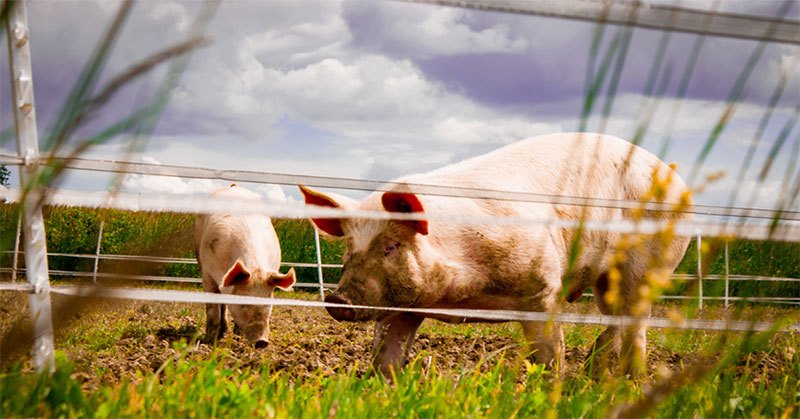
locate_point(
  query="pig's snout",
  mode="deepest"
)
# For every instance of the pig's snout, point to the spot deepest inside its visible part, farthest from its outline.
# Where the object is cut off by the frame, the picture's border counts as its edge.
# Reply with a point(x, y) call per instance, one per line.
point(261, 343)
point(343, 314)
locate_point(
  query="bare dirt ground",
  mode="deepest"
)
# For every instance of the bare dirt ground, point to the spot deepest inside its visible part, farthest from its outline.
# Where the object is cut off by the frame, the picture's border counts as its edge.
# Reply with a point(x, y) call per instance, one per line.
point(109, 340)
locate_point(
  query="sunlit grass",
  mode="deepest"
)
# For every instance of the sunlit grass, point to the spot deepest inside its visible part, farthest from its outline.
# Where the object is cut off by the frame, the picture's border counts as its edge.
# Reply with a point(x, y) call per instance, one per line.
point(187, 386)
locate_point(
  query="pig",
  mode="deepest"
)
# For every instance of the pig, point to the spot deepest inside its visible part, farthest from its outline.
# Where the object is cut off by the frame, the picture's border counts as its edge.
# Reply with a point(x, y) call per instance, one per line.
point(438, 264)
point(239, 254)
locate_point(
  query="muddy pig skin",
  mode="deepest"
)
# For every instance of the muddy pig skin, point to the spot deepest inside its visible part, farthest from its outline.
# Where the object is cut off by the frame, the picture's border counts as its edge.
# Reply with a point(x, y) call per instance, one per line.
point(239, 254)
point(439, 264)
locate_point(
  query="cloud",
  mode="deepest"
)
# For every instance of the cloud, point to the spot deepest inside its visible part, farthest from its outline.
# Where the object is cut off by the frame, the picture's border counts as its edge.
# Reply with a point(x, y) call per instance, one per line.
point(381, 89)
point(167, 184)
point(273, 193)
point(457, 131)
point(420, 32)
point(171, 13)
point(175, 185)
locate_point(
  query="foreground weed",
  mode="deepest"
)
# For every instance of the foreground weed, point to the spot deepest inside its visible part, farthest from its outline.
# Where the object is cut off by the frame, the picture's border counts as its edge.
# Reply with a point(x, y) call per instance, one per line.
point(37, 395)
point(188, 385)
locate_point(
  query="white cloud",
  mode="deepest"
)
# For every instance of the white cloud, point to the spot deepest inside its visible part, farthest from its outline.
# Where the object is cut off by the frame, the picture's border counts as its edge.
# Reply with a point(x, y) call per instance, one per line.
point(273, 193)
point(422, 32)
point(352, 72)
point(498, 130)
point(171, 12)
point(299, 44)
point(180, 186)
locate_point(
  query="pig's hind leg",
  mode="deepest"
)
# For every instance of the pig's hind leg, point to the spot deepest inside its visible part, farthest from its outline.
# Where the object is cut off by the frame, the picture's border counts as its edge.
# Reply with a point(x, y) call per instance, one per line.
point(602, 359)
point(215, 314)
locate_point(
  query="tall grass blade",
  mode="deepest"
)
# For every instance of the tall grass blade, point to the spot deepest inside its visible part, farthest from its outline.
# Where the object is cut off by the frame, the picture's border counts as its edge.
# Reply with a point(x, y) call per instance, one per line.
point(150, 114)
point(78, 98)
point(666, 141)
point(611, 93)
point(141, 68)
point(655, 70)
point(735, 95)
point(778, 145)
point(762, 125)
point(594, 50)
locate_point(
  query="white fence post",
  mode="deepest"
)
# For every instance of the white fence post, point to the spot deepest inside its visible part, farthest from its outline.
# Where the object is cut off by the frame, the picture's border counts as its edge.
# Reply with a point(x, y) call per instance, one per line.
point(726, 274)
point(319, 264)
point(19, 54)
point(97, 251)
point(700, 269)
point(15, 262)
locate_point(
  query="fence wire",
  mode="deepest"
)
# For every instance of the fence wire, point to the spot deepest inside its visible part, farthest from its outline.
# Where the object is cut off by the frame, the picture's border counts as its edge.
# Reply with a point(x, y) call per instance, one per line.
point(193, 172)
point(786, 231)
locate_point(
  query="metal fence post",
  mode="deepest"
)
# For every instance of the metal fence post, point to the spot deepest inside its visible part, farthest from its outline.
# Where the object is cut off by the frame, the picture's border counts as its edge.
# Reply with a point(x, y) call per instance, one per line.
point(726, 274)
point(36, 270)
point(15, 262)
point(319, 264)
point(700, 269)
point(97, 251)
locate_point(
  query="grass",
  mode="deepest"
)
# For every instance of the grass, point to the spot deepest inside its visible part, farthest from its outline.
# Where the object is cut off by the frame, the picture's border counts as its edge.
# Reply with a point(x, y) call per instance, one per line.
point(190, 385)
point(749, 375)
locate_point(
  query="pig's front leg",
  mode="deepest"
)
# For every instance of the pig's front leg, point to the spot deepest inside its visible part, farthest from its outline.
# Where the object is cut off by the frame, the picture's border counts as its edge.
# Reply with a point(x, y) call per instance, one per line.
point(546, 339)
point(215, 314)
point(393, 339)
point(545, 343)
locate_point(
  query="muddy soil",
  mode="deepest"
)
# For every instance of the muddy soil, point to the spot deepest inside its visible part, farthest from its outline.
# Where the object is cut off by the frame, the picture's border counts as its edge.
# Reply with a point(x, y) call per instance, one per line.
point(109, 340)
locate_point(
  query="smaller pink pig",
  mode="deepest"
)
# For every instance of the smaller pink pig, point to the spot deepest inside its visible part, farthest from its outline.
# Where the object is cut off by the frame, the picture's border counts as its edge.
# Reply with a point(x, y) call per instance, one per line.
point(239, 254)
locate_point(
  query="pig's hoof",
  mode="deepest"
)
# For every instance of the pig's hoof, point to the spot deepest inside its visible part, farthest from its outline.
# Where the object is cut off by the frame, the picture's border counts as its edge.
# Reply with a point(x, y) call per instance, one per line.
point(261, 344)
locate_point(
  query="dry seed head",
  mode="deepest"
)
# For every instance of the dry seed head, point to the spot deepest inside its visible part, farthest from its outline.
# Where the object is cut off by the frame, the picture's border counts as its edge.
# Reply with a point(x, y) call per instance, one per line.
point(637, 213)
point(619, 257)
point(646, 293)
point(674, 315)
point(555, 395)
point(641, 306)
point(612, 296)
point(659, 191)
point(686, 199)
point(659, 278)
point(715, 176)
point(665, 253)
point(667, 235)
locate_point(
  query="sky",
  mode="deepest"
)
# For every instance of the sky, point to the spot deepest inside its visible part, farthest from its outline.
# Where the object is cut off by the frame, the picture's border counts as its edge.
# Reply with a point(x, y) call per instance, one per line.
point(379, 89)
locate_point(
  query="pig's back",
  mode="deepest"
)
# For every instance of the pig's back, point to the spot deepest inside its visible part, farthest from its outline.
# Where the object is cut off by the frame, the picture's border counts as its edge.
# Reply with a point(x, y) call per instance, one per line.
point(565, 164)
point(250, 237)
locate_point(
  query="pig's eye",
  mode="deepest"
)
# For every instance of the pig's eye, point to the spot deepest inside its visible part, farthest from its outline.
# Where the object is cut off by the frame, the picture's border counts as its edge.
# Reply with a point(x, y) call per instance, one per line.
point(390, 248)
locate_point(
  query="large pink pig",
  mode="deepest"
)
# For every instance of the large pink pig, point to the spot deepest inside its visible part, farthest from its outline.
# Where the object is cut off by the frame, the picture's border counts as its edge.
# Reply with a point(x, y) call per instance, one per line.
point(438, 264)
point(239, 254)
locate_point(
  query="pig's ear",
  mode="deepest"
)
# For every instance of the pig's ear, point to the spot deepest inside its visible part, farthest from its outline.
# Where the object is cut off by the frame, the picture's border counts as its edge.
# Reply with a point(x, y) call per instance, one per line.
point(236, 275)
point(332, 226)
point(283, 281)
point(406, 203)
